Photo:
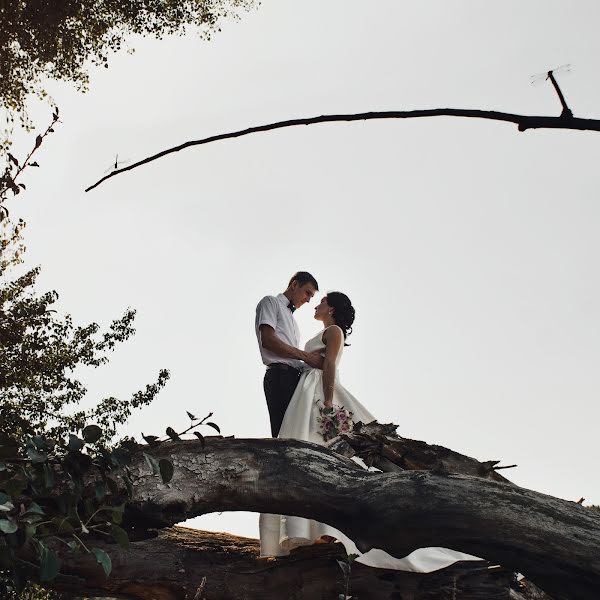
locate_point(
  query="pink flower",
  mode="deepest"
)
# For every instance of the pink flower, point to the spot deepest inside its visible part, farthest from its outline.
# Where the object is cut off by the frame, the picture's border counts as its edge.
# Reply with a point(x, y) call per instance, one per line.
point(344, 427)
point(342, 416)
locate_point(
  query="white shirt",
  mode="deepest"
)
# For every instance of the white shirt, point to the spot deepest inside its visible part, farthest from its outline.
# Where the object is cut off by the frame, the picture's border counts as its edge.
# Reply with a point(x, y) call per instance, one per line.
point(274, 311)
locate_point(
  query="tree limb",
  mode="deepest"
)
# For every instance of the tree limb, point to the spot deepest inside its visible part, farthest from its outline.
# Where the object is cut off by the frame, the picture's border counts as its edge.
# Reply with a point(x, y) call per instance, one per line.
point(554, 543)
point(173, 565)
point(524, 122)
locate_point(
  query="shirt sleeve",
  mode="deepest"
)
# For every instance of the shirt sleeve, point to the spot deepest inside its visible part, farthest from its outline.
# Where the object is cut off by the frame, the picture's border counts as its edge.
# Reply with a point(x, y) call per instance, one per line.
point(266, 312)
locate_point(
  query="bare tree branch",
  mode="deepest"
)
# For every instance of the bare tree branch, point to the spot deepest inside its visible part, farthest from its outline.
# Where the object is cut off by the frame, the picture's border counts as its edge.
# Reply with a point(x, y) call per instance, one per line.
point(524, 122)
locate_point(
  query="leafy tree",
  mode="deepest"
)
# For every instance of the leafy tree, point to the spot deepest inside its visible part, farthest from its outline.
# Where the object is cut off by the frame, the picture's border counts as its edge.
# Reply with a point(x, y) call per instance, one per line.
point(57, 40)
point(46, 439)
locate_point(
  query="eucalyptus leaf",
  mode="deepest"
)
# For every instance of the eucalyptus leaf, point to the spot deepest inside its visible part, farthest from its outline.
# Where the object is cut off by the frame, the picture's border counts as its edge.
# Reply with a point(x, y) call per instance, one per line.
point(36, 456)
point(152, 463)
point(8, 526)
point(100, 490)
point(49, 564)
point(48, 476)
point(151, 440)
point(103, 559)
point(214, 426)
point(120, 536)
point(172, 434)
point(91, 434)
point(34, 509)
point(201, 438)
point(75, 443)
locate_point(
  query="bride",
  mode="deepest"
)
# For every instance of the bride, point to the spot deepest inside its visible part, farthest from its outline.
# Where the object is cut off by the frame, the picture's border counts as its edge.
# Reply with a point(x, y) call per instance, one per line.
point(279, 534)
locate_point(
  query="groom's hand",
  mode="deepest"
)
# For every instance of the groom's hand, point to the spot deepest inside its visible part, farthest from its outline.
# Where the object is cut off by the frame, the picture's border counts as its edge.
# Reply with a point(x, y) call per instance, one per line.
point(314, 359)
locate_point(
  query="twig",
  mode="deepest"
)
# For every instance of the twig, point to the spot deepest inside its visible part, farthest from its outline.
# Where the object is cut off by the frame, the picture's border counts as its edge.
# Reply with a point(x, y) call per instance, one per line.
point(523, 122)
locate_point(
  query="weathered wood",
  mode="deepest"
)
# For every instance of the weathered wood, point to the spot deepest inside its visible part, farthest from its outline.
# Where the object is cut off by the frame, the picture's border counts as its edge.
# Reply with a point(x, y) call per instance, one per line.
point(172, 566)
point(378, 445)
point(555, 543)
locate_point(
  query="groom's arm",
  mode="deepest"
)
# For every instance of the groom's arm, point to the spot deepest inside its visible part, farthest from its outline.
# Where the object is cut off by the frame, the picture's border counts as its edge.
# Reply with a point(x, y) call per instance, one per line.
point(270, 341)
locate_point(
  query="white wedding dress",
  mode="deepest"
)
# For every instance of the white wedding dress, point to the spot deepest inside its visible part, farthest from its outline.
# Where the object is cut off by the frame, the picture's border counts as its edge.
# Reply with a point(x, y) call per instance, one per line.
point(280, 533)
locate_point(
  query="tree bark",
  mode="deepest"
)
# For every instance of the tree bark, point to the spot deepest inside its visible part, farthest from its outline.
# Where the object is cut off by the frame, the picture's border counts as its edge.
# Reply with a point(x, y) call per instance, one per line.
point(554, 543)
point(173, 565)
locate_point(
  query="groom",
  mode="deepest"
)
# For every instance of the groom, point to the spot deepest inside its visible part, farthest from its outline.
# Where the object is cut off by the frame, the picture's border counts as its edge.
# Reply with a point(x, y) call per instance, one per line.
point(278, 340)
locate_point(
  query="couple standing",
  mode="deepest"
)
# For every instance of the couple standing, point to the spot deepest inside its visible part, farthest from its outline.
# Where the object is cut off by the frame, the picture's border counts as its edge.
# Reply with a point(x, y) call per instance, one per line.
point(296, 384)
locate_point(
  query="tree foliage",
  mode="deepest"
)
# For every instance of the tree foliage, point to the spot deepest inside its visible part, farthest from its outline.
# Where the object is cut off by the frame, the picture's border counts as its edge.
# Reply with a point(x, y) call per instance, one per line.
point(47, 440)
point(58, 40)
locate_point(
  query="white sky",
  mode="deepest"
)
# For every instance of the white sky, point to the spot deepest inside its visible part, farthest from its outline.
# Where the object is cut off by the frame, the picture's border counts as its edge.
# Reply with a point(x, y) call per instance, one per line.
point(470, 250)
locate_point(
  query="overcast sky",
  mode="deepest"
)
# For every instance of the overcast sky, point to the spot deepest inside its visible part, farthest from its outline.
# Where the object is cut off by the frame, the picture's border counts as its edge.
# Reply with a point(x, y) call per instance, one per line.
point(469, 250)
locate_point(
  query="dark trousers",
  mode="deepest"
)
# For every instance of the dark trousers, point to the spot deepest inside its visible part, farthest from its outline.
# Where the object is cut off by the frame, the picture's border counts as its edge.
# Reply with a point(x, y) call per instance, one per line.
point(279, 388)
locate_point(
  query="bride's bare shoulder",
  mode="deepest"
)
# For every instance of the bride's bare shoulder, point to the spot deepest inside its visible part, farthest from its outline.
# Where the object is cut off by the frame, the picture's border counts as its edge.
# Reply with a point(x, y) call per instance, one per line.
point(332, 333)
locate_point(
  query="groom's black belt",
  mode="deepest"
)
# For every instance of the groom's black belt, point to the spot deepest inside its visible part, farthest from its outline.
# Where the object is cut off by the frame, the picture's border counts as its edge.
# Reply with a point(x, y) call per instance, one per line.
point(282, 367)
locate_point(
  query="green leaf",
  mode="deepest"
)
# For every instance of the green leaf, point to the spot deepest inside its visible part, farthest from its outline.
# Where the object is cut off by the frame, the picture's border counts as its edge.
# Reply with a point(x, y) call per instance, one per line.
point(75, 443)
point(36, 456)
point(100, 490)
point(151, 440)
point(92, 433)
point(48, 476)
point(201, 438)
point(103, 559)
point(34, 509)
point(49, 564)
point(190, 415)
point(172, 434)
point(152, 463)
point(214, 426)
point(2, 467)
point(120, 536)
point(15, 487)
point(117, 513)
point(4, 498)
point(166, 469)
point(6, 506)
point(39, 442)
point(8, 526)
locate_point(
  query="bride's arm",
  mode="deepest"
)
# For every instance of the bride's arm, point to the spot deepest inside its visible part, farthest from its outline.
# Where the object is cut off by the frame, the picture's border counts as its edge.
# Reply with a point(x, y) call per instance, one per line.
point(333, 339)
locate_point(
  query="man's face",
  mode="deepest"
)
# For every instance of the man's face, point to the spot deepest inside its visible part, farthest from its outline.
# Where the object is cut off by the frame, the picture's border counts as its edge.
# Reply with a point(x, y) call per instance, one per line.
point(302, 293)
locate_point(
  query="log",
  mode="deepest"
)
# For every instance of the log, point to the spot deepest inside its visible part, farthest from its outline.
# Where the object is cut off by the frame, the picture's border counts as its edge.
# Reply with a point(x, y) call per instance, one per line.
point(553, 542)
point(179, 562)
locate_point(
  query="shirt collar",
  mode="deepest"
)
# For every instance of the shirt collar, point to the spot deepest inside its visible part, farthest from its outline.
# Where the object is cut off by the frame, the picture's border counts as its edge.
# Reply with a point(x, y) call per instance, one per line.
point(283, 299)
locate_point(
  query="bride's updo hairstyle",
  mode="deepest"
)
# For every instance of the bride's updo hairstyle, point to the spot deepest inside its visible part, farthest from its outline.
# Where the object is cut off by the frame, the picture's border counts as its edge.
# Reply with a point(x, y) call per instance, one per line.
point(343, 311)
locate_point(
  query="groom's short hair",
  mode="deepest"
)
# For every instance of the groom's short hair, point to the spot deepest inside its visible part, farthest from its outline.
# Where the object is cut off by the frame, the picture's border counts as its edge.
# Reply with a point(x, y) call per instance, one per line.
point(303, 277)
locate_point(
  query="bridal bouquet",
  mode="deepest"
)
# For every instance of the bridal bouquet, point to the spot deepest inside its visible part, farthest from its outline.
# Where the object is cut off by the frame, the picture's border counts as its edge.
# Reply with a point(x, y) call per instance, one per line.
point(333, 421)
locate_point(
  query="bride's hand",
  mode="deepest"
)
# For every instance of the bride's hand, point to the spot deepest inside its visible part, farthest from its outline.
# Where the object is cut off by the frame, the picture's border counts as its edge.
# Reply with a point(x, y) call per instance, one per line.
point(328, 403)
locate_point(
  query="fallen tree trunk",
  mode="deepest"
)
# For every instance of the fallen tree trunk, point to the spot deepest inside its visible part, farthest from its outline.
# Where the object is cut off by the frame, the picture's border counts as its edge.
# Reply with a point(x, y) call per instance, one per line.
point(554, 543)
point(183, 563)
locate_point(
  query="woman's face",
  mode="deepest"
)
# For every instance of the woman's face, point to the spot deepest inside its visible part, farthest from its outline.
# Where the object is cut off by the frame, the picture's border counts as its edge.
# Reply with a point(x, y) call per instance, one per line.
point(322, 310)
